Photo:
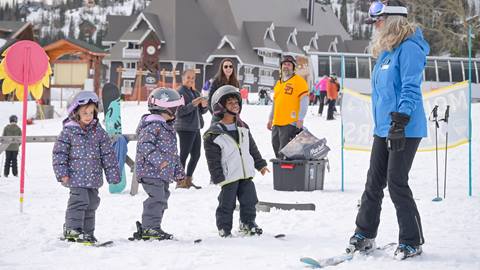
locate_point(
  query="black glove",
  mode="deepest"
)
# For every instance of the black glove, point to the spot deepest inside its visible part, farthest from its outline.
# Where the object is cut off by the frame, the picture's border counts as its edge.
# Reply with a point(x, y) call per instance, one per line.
point(396, 133)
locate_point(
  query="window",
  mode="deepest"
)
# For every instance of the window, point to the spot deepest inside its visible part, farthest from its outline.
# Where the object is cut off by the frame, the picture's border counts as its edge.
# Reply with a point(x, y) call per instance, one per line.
point(363, 67)
point(188, 66)
point(336, 65)
point(443, 73)
point(323, 66)
point(474, 71)
point(457, 71)
point(430, 71)
point(132, 65)
point(127, 88)
point(128, 83)
point(248, 69)
point(266, 72)
point(133, 46)
point(350, 67)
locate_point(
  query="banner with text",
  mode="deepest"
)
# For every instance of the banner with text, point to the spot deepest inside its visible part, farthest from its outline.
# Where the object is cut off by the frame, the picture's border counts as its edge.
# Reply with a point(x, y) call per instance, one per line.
point(358, 121)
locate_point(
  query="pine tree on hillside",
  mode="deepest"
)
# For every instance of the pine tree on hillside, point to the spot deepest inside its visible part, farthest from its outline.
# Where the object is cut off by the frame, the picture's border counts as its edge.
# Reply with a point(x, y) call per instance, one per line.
point(444, 24)
point(343, 15)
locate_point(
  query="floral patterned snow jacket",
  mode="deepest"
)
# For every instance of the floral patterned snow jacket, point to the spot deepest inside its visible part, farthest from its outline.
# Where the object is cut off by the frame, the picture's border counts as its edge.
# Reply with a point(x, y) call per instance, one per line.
point(81, 154)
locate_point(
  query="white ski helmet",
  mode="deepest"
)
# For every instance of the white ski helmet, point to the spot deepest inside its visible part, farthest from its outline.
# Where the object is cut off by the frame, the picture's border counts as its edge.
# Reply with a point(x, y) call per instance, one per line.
point(220, 96)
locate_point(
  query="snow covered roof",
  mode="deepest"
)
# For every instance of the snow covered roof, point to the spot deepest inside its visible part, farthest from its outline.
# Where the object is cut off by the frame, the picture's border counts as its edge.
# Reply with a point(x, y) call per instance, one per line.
point(286, 39)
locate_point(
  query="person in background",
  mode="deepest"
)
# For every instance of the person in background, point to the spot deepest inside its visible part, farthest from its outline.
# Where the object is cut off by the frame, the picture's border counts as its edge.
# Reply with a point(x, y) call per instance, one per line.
point(399, 125)
point(11, 152)
point(262, 97)
point(332, 94)
point(244, 94)
point(321, 86)
point(82, 151)
point(290, 105)
point(226, 75)
point(188, 123)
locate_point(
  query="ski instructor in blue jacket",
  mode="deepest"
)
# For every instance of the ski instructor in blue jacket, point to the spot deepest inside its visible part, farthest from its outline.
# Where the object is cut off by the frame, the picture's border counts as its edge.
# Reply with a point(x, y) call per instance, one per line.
point(400, 124)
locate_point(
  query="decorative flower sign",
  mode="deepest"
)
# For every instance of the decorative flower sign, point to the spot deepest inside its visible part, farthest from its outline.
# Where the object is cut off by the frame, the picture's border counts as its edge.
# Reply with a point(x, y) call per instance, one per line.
point(25, 63)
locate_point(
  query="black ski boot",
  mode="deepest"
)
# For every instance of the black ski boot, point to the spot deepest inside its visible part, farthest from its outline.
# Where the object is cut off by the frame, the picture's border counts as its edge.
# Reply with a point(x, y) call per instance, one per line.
point(89, 238)
point(155, 234)
point(405, 251)
point(250, 228)
point(358, 242)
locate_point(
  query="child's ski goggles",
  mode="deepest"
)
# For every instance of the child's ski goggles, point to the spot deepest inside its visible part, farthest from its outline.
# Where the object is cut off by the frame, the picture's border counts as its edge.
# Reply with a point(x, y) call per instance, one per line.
point(378, 9)
point(83, 98)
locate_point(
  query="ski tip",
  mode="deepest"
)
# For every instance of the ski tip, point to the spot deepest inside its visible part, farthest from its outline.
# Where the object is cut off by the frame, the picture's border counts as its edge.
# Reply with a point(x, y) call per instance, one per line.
point(310, 261)
point(196, 241)
point(280, 235)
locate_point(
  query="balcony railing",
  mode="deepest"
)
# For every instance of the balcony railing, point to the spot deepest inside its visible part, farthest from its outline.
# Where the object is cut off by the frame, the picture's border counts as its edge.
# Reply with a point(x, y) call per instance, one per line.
point(132, 53)
point(129, 73)
point(266, 80)
point(271, 61)
point(249, 78)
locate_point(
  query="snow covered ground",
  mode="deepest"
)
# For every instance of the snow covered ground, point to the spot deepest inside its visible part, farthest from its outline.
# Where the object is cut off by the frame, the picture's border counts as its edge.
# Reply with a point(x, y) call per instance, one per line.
point(30, 240)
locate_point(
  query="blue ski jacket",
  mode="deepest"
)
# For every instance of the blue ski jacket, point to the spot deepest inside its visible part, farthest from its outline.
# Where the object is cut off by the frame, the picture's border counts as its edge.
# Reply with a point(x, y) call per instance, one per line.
point(396, 81)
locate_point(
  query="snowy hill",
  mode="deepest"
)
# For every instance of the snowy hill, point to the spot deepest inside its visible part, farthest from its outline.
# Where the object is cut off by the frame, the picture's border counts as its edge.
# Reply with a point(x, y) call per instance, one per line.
point(451, 227)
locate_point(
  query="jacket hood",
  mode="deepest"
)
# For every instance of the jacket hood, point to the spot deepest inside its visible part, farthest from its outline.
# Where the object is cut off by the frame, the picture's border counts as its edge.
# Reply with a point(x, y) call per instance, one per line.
point(75, 126)
point(418, 39)
point(149, 119)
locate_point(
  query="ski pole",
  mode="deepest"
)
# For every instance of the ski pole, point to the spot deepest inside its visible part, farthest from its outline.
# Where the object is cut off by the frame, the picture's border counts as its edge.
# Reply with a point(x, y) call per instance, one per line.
point(447, 112)
point(435, 119)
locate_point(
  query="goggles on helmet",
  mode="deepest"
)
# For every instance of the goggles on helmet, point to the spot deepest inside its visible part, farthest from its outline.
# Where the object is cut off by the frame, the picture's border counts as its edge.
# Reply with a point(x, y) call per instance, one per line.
point(83, 98)
point(378, 9)
point(165, 103)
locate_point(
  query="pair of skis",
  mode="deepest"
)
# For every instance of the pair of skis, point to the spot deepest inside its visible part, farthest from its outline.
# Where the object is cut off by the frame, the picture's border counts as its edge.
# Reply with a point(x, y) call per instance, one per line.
point(336, 260)
point(138, 235)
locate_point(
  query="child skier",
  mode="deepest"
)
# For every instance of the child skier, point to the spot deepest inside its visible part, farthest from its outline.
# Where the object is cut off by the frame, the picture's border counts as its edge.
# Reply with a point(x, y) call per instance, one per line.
point(81, 151)
point(157, 160)
point(232, 158)
point(11, 152)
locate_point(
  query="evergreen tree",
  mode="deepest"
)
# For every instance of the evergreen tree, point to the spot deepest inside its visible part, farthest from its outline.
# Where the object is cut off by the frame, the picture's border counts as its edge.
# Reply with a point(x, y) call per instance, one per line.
point(343, 15)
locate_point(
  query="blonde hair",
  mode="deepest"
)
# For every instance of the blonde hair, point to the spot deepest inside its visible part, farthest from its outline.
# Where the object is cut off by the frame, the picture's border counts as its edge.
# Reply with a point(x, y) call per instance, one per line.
point(395, 30)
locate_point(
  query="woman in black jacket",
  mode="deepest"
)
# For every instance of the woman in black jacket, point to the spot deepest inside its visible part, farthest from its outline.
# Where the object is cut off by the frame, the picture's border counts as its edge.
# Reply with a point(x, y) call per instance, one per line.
point(226, 75)
point(188, 123)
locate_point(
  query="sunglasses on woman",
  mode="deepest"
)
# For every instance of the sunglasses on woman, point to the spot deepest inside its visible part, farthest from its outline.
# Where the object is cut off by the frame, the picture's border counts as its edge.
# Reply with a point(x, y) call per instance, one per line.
point(228, 66)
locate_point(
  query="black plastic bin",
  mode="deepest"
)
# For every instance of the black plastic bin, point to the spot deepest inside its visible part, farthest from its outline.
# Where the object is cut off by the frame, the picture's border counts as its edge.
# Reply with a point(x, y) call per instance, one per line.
point(298, 175)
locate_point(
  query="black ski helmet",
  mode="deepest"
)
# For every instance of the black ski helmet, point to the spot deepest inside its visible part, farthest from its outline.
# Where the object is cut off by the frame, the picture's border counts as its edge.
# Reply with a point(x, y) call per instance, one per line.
point(13, 119)
point(220, 97)
point(164, 100)
point(289, 58)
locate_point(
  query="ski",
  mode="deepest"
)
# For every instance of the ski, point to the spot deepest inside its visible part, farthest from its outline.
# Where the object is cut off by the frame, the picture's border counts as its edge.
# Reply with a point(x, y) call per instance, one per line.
point(267, 206)
point(90, 244)
point(336, 260)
